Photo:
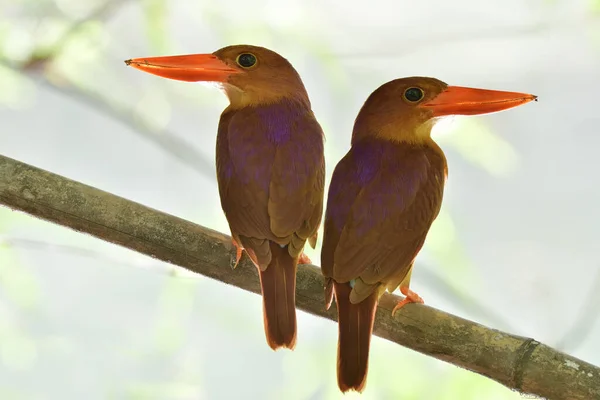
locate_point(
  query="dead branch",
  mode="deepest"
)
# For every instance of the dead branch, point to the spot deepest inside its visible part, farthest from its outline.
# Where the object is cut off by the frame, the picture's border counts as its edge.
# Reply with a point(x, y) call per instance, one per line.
point(522, 364)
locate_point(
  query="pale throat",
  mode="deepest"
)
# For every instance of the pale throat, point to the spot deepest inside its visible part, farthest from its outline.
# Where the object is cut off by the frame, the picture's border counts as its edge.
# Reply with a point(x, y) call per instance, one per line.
point(403, 133)
point(239, 98)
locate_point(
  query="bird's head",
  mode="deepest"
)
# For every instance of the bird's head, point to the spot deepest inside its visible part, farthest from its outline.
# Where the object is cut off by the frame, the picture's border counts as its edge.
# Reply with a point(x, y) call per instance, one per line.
point(406, 109)
point(250, 75)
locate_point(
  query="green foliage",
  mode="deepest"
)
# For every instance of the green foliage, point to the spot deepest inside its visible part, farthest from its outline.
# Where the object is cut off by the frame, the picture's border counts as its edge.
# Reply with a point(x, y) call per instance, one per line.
point(20, 294)
point(16, 91)
point(20, 286)
point(162, 390)
point(156, 14)
point(174, 308)
point(445, 247)
point(13, 394)
point(479, 145)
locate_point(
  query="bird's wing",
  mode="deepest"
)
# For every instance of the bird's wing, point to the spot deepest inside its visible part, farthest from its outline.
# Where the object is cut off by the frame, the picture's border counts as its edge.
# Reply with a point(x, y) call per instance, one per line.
point(244, 167)
point(271, 176)
point(390, 216)
point(298, 183)
point(343, 190)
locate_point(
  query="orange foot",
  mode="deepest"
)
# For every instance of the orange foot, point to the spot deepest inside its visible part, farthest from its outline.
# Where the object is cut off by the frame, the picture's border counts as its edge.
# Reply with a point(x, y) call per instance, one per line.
point(238, 253)
point(303, 259)
point(411, 297)
point(252, 256)
point(328, 293)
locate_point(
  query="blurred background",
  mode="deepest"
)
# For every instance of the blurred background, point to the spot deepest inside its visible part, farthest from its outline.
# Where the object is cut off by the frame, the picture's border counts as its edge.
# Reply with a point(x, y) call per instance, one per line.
point(515, 247)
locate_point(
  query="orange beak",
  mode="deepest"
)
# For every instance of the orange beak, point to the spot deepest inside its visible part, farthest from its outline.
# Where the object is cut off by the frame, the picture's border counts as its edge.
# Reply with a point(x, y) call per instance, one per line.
point(457, 100)
point(189, 68)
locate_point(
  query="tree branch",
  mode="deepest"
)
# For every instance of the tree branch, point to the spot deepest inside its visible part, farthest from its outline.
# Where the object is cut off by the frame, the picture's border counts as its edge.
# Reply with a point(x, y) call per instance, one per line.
point(34, 67)
point(519, 363)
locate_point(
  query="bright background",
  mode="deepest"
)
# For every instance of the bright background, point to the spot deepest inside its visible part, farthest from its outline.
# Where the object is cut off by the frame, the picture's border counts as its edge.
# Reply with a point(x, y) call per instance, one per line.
point(515, 247)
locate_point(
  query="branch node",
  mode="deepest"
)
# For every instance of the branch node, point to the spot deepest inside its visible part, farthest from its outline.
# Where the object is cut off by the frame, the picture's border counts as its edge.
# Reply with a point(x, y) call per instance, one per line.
point(524, 353)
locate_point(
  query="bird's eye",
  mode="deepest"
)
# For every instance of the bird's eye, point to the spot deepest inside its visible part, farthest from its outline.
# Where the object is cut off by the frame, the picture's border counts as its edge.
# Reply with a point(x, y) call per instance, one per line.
point(413, 94)
point(246, 60)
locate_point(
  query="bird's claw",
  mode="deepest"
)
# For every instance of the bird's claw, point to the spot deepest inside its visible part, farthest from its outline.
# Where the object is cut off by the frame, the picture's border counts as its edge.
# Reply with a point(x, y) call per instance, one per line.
point(411, 297)
point(303, 259)
point(328, 293)
point(238, 253)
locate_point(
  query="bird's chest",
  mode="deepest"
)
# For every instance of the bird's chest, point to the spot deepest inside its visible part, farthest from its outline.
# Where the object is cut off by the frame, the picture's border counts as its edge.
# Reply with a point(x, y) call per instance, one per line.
point(248, 145)
point(393, 175)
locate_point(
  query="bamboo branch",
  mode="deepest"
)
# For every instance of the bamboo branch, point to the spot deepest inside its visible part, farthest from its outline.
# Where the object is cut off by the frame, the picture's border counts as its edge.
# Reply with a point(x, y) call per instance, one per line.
point(519, 363)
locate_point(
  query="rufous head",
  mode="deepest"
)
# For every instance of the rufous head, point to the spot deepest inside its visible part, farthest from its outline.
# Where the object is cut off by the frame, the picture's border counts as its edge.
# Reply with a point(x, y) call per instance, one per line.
point(406, 109)
point(250, 75)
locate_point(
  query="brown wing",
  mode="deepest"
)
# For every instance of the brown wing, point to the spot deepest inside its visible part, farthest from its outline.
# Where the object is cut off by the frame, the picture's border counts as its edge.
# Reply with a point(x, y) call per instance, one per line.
point(386, 225)
point(344, 188)
point(270, 168)
point(240, 195)
point(298, 184)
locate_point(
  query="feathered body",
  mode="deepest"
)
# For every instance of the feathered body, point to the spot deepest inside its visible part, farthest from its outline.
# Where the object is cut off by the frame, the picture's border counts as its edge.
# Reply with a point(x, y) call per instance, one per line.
point(383, 198)
point(270, 169)
point(270, 166)
point(382, 201)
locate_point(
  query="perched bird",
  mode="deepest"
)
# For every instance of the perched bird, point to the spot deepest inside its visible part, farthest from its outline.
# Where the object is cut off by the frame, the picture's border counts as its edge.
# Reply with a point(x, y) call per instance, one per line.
point(270, 166)
point(384, 195)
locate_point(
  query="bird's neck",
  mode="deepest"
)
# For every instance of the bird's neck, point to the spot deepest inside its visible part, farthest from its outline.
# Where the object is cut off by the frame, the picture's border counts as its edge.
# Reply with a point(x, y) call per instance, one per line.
point(394, 132)
point(372, 149)
point(250, 97)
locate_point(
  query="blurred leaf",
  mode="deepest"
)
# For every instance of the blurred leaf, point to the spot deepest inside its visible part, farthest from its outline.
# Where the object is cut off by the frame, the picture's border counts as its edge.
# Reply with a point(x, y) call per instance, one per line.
point(17, 351)
point(16, 91)
point(9, 218)
point(5, 28)
point(18, 42)
point(13, 394)
point(50, 34)
point(408, 378)
point(155, 21)
point(316, 366)
point(78, 9)
point(471, 387)
point(174, 306)
point(169, 390)
point(82, 49)
point(153, 110)
point(479, 145)
point(19, 285)
point(444, 246)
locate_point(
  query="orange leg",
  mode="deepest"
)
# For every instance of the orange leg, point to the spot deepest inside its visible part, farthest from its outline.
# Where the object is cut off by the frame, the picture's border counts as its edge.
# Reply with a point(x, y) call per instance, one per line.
point(303, 259)
point(328, 293)
point(238, 252)
point(411, 297)
point(252, 256)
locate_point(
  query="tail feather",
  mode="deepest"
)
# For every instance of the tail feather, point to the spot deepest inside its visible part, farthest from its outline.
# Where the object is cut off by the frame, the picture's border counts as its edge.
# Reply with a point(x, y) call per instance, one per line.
point(355, 323)
point(278, 284)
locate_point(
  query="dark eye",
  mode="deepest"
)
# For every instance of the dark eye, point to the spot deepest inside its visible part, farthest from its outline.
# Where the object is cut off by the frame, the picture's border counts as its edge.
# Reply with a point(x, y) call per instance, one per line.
point(413, 94)
point(246, 60)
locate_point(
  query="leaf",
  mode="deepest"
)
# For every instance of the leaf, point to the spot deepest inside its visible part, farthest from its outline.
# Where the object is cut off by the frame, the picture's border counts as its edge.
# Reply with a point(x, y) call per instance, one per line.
point(19, 285)
point(480, 146)
point(155, 20)
point(16, 91)
point(443, 244)
point(174, 308)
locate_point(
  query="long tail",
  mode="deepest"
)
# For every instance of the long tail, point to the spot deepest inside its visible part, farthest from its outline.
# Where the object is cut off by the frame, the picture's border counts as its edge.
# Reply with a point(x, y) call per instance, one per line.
point(278, 284)
point(355, 323)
